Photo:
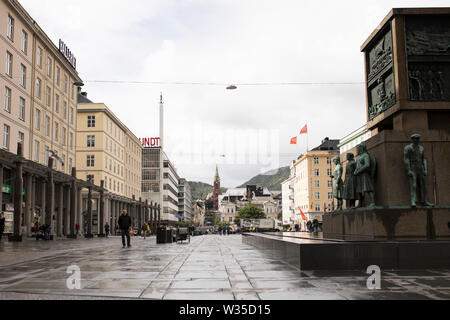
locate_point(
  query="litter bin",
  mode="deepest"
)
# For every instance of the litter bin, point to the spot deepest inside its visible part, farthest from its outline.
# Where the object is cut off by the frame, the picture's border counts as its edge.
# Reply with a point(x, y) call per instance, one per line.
point(164, 235)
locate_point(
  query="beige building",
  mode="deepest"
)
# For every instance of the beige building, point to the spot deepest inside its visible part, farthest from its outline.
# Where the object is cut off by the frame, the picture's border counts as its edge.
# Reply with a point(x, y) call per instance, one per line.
point(312, 183)
point(107, 149)
point(198, 213)
point(38, 86)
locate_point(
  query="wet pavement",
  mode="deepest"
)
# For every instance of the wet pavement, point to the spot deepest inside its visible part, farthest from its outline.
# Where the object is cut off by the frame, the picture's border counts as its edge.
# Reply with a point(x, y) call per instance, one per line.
point(210, 267)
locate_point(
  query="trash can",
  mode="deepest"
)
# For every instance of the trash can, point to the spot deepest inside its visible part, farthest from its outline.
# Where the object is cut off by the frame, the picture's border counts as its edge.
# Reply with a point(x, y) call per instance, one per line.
point(161, 236)
point(169, 235)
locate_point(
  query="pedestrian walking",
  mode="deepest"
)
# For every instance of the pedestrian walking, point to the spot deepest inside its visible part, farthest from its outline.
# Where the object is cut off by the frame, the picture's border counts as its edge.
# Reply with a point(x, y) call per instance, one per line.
point(309, 226)
point(124, 225)
point(77, 229)
point(315, 226)
point(224, 230)
point(107, 229)
point(2, 225)
point(296, 227)
point(144, 230)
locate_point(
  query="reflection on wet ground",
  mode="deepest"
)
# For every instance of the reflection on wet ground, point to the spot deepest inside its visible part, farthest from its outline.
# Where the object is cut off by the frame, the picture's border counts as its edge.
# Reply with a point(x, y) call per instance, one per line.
point(209, 268)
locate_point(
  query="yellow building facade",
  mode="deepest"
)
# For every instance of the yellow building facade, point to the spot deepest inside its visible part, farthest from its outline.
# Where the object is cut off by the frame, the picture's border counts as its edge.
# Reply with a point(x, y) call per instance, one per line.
point(107, 150)
point(313, 185)
point(38, 85)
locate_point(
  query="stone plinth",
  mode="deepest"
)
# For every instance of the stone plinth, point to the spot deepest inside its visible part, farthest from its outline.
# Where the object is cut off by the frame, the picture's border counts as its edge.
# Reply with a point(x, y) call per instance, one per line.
point(388, 224)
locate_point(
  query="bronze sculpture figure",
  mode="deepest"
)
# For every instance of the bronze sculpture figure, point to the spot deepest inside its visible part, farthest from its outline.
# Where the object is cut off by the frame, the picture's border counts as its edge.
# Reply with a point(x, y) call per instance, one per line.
point(350, 195)
point(338, 183)
point(365, 174)
point(416, 168)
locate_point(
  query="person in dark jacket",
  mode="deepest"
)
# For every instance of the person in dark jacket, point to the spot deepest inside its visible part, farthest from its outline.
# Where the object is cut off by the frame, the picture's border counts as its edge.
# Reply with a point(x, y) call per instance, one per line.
point(124, 223)
point(107, 229)
point(2, 225)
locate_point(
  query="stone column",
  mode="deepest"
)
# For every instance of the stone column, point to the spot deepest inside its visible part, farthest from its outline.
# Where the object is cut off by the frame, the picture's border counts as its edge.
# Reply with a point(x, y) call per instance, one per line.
point(18, 196)
point(89, 213)
point(1, 185)
point(50, 197)
point(28, 204)
point(159, 214)
point(72, 194)
point(67, 212)
point(101, 214)
point(59, 217)
point(33, 198)
point(79, 209)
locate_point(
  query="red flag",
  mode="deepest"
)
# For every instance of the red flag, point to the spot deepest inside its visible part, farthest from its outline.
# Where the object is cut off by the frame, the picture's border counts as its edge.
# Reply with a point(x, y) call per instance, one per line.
point(304, 130)
point(294, 140)
point(303, 215)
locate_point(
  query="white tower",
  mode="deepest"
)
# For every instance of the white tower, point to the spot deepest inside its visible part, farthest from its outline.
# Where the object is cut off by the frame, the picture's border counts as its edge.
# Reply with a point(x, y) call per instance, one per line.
point(161, 155)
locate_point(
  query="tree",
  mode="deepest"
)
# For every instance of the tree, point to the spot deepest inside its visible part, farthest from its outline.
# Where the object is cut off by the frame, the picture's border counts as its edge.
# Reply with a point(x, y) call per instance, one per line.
point(249, 212)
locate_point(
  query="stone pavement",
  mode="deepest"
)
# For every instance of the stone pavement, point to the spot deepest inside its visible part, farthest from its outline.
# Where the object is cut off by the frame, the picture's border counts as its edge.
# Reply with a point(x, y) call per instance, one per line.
point(211, 267)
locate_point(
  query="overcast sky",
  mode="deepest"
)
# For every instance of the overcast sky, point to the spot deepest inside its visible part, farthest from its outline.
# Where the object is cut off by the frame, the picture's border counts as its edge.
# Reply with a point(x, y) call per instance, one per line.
point(220, 42)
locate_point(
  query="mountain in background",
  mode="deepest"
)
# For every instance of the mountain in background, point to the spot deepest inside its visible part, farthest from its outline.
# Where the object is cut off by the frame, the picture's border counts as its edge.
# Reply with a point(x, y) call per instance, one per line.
point(271, 179)
point(200, 190)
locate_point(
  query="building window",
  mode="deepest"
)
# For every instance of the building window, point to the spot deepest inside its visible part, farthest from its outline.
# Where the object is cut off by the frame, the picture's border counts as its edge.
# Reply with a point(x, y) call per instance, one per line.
point(22, 109)
point(24, 41)
point(37, 119)
point(90, 161)
point(39, 57)
point(10, 30)
point(48, 93)
point(64, 109)
point(36, 151)
point(56, 131)
point(90, 141)
point(6, 131)
point(63, 136)
point(91, 121)
point(316, 160)
point(7, 99)
point(71, 140)
point(23, 75)
point(56, 103)
point(316, 184)
point(21, 138)
point(330, 195)
point(49, 67)
point(9, 63)
point(71, 91)
point(47, 126)
point(317, 207)
point(58, 72)
point(317, 195)
point(65, 84)
point(328, 160)
point(316, 172)
point(330, 184)
point(106, 162)
point(63, 164)
point(38, 88)
point(71, 116)
point(329, 172)
point(70, 165)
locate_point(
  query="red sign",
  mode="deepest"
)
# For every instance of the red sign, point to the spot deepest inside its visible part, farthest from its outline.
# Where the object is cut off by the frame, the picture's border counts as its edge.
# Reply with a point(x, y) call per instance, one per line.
point(150, 142)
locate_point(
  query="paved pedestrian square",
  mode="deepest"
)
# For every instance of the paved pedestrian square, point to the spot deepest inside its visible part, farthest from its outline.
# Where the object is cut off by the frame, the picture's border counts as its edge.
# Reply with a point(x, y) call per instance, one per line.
point(210, 267)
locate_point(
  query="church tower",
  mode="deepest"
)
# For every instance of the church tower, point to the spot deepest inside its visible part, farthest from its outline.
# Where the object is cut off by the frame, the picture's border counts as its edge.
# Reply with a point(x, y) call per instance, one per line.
point(216, 191)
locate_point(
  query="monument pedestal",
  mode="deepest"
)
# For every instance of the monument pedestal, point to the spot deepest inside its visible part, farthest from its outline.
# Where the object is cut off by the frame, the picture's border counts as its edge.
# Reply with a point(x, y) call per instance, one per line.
point(422, 223)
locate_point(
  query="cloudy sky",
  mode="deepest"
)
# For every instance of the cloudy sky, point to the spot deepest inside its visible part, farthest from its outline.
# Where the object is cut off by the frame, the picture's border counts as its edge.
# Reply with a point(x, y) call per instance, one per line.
point(129, 51)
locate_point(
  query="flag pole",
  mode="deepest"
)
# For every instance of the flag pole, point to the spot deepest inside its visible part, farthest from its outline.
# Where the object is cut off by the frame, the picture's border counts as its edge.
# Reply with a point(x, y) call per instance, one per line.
point(307, 135)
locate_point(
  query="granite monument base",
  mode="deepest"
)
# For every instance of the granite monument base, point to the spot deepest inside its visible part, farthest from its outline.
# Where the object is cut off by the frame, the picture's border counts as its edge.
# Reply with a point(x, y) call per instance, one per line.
point(324, 254)
point(421, 223)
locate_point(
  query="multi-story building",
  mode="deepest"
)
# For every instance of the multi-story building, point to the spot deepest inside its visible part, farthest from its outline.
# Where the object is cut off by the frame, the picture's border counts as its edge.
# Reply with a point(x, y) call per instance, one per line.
point(184, 200)
point(39, 84)
point(151, 183)
point(353, 139)
point(313, 185)
point(290, 215)
point(198, 213)
point(107, 150)
point(234, 199)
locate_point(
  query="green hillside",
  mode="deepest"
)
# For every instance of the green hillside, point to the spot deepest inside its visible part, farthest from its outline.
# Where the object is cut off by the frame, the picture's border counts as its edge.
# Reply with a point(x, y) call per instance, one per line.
point(272, 179)
point(200, 190)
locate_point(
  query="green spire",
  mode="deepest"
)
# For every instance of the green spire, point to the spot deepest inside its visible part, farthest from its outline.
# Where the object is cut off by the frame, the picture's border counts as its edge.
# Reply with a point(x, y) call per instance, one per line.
point(217, 173)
